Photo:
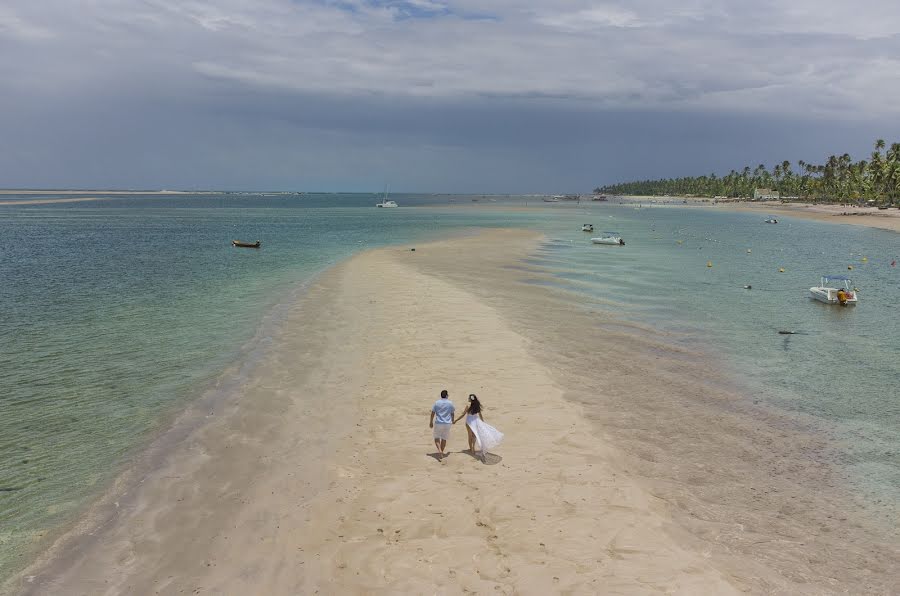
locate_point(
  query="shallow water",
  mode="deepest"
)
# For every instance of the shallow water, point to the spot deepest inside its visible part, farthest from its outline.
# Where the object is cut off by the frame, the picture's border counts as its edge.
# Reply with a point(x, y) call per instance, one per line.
point(117, 312)
point(839, 371)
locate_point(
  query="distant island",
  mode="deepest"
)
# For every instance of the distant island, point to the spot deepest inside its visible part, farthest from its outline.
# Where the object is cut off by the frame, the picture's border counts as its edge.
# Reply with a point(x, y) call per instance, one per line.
point(839, 180)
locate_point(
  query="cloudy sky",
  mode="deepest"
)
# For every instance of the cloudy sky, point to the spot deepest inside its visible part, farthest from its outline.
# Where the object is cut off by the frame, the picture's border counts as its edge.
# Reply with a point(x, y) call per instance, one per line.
point(435, 95)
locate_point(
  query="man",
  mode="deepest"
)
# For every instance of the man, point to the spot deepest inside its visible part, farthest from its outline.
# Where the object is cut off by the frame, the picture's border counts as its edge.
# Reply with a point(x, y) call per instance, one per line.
point(842, 297)
point(441, 420)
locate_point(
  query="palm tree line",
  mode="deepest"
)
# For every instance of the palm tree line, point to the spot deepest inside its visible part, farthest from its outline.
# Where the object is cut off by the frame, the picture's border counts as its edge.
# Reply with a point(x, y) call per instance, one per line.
point(838, 180)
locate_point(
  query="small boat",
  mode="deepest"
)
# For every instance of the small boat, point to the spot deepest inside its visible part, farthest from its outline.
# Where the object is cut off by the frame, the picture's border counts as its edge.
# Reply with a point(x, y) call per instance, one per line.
point(553, 199)
point(587, 228)
point(771, 220)
point(834, 289)
point(611, 238)
point(598, 198)
point(240, 244)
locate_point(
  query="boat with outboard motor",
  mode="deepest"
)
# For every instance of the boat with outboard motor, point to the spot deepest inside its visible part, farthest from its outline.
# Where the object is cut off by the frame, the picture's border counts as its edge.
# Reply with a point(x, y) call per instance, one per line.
point(587, 228)
point(239, 244)
point(835, 289)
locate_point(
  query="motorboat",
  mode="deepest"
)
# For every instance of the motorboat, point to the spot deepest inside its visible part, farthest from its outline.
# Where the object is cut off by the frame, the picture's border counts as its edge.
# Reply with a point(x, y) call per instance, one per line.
point(611, 238)
point(239, 244)
point(771, 220)
point(587, 228)
point(829, 288)
point(384, 200)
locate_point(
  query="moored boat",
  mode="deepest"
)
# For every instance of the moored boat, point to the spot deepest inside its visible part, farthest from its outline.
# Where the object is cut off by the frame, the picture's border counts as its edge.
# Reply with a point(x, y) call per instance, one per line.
point(240, 244)
point(771, 220)
point(834, 289)
point(384, 200)
point(587, 228)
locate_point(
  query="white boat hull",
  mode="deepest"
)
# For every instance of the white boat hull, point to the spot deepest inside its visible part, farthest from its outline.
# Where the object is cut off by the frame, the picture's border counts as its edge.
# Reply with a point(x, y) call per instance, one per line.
point(829, 295)
point(608, 241)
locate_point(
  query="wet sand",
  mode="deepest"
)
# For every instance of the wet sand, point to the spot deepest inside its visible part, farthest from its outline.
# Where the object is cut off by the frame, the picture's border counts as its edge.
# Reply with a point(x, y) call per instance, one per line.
point(620, 471)
point(12, 203)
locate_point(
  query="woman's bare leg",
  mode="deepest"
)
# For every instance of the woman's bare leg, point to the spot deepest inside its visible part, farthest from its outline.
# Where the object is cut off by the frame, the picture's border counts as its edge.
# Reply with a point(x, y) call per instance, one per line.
point(471, 440)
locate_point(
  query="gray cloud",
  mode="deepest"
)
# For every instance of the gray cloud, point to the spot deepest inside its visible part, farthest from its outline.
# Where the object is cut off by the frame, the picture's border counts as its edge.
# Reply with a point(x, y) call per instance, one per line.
point(295, 93)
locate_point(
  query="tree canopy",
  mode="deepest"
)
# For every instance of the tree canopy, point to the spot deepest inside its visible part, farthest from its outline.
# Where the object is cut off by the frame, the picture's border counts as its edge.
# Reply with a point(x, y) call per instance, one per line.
point(838, 180)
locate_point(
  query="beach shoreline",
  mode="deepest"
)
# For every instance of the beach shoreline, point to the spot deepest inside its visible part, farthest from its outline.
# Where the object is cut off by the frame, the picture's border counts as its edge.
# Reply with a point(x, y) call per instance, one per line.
point(322, 462)
point(886, 219)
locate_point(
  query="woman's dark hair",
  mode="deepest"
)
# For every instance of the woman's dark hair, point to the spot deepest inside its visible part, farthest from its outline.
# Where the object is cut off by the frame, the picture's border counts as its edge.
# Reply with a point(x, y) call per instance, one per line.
point(474, 404)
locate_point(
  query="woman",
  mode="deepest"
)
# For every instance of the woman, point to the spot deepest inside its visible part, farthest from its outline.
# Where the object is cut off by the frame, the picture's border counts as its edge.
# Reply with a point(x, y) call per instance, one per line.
point(481, 434)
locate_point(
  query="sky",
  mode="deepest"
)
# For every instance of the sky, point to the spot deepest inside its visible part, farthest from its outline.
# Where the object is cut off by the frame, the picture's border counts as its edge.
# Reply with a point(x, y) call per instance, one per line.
point(435, 95)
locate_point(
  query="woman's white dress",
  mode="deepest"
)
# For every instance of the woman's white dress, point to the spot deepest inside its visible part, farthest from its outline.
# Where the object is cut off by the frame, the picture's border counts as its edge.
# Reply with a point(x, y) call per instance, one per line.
point(486, 436)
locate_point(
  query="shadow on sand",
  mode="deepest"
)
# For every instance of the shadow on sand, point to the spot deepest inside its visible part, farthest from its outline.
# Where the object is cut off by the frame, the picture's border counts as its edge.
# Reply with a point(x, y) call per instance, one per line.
point(490, 459)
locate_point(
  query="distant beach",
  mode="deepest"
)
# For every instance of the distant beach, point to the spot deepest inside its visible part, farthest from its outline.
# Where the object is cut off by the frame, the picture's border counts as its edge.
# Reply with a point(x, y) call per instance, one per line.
point(885, 219)
point(17, 202)
point(619, 471)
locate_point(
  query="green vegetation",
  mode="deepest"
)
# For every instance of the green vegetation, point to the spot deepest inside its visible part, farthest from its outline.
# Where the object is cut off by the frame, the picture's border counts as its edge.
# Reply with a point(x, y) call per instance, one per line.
point(839, 180)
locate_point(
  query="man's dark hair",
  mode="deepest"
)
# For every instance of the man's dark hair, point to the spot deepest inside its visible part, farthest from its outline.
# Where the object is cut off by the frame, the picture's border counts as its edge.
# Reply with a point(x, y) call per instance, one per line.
point(444, 394)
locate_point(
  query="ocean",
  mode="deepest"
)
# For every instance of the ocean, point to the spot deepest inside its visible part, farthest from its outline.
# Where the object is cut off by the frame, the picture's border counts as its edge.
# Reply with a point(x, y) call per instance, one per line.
point(117, 313)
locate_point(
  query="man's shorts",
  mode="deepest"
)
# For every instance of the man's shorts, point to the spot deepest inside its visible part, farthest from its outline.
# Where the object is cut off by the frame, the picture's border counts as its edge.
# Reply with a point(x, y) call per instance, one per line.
point(442, 431)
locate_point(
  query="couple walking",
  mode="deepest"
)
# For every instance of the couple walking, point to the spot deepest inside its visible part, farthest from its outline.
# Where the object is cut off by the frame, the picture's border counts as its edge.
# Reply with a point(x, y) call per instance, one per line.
point(482, 436)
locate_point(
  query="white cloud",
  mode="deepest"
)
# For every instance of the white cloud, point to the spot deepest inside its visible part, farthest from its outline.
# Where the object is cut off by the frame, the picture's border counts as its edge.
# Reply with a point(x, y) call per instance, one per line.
point(825, 55)
point(14, 27)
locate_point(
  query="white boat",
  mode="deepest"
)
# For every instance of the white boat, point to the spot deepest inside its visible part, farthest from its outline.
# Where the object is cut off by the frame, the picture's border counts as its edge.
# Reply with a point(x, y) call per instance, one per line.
point(611, 238)
point(771, 220)
point(587, 228)
point(828, 288)
point(385, 202)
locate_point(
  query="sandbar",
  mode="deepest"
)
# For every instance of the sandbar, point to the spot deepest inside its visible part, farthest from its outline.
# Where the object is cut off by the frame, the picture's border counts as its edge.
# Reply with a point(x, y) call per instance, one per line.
point(619, 473)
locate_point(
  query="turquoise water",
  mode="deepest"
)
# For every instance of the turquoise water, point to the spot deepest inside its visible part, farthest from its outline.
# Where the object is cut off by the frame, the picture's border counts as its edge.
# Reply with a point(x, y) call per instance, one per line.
point(839, 373)
point(116, 313)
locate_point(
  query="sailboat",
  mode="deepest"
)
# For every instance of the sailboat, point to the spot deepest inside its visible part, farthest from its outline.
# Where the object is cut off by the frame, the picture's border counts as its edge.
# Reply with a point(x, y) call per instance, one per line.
point(385, 202)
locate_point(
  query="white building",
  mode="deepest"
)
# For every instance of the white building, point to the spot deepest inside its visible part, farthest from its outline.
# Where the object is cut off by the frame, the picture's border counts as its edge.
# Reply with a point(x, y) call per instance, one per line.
point(765, 194)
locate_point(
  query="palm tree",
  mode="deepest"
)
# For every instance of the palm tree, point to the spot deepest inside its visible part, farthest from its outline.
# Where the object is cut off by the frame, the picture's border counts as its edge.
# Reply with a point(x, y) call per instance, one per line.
point(839, 178)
